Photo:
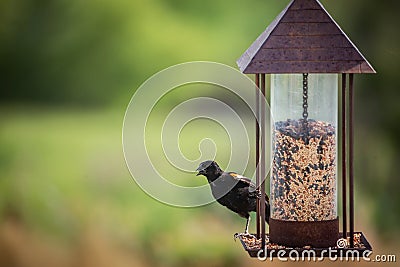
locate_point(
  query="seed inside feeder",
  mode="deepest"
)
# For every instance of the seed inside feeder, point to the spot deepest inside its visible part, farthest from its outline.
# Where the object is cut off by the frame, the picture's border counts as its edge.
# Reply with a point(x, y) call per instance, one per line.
point(303, 184)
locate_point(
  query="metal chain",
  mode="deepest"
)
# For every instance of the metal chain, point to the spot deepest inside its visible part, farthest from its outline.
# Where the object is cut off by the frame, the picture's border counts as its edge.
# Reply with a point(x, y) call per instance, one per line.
point(305, 97)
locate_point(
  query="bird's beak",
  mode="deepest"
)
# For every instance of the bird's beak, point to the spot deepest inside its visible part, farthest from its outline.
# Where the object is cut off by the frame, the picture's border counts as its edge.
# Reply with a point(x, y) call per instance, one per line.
point(201, 172)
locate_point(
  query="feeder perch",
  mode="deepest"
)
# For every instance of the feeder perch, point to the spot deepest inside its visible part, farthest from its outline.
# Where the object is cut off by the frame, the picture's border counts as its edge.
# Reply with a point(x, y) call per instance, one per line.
point(307, 55)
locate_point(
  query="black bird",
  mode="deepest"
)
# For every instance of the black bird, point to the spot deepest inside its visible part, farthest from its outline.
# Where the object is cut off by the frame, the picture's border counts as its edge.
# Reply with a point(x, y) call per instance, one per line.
point(233, 191)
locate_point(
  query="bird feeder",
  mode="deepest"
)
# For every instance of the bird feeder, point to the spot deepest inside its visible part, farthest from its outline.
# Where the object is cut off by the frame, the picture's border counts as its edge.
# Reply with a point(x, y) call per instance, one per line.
point(306, 55)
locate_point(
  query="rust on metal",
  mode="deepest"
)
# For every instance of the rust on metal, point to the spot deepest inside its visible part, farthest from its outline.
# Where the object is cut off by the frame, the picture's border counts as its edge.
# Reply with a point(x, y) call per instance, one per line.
point(257, 81)
point(274, 249)
point(344, 157)
point(351, 157)
point(263, 161)
point(299, 234)
point(304, 38)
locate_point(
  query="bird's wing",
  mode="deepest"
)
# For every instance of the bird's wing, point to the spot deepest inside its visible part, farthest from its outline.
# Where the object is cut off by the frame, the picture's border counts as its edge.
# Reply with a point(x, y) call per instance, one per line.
point(244, 182)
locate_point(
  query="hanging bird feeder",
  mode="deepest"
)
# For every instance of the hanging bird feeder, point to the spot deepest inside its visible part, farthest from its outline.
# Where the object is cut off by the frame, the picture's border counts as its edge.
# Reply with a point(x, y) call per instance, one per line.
point(307, 56)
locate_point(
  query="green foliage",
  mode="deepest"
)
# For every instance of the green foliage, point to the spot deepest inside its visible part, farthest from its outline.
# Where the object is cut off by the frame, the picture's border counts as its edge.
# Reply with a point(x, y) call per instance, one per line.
point(96, 52)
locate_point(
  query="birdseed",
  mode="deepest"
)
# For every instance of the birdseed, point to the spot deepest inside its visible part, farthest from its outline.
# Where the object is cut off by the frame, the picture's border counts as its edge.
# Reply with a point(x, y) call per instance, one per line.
point(253, 243)
point(303, 184)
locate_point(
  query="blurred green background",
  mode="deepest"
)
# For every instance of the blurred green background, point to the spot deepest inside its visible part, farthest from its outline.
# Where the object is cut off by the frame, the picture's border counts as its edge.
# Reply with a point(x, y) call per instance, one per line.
point(68, 70)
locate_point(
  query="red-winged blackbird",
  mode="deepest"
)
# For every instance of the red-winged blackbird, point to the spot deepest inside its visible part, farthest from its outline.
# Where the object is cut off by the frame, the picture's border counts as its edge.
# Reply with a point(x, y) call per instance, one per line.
point(232, 190)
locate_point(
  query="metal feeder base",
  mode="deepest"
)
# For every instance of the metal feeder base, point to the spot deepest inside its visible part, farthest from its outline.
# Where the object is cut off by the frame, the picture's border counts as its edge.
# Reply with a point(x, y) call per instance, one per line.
point(299, 234)
point(273, 249)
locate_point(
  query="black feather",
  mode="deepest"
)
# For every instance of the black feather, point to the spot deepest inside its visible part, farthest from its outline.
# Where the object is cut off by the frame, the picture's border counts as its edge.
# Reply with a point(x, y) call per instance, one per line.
point(232, 190)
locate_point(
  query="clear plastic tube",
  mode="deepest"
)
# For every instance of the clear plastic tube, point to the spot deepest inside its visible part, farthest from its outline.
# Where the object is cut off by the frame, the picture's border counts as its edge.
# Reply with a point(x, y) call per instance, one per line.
point(304, 152)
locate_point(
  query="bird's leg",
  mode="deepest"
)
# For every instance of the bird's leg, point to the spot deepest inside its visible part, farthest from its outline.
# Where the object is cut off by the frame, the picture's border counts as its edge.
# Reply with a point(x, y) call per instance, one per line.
point(246, 231)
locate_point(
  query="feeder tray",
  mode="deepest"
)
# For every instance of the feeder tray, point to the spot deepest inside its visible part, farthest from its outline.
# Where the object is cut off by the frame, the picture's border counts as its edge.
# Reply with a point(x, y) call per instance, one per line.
point(253, 246)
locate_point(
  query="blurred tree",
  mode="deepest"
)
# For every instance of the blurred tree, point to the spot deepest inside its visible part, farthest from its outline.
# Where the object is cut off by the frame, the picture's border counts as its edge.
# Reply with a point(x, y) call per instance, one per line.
point(373, 27)
point(95, 51)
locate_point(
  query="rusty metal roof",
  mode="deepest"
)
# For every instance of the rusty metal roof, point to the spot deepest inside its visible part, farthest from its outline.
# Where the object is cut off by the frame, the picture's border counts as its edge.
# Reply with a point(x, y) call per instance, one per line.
point(303, 38)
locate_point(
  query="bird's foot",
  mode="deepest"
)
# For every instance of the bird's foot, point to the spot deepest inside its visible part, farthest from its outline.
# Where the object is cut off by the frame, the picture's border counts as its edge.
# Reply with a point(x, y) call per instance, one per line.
point(235, 236)
point(247, 235)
